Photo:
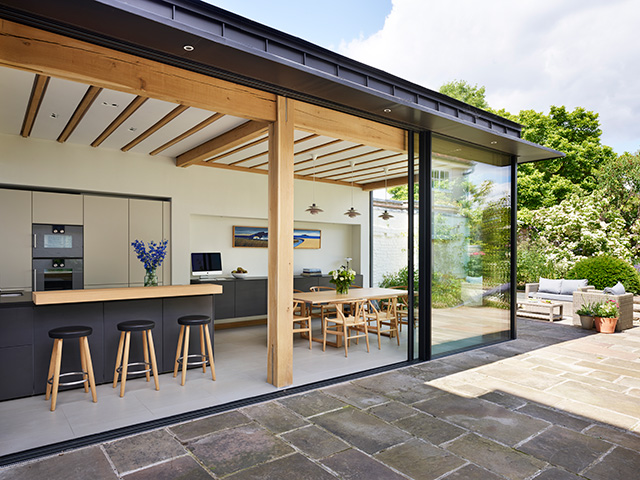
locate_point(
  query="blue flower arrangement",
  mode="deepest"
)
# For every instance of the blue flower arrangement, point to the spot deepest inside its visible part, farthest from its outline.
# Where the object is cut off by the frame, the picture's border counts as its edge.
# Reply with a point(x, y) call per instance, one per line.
point(151, 259)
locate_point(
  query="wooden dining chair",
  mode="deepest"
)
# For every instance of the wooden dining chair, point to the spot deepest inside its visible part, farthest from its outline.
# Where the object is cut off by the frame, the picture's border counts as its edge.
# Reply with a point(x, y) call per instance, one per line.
point(402, 309)
point(345, 325)
point(322, 310)
point(301, 324)
point(382, 317)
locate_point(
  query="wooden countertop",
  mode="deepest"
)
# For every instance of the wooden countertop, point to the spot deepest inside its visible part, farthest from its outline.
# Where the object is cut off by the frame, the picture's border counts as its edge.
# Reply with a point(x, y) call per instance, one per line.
point(127, 293)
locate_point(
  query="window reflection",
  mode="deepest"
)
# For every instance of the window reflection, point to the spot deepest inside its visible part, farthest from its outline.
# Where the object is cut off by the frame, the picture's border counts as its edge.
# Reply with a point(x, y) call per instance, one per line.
point(471, 227)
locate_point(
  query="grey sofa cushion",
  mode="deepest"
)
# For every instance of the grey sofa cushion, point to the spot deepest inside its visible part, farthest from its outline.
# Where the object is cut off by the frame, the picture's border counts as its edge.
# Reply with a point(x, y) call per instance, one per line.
point(617, 289)
point(570, 286)
point(547, 285)
point(553, 296)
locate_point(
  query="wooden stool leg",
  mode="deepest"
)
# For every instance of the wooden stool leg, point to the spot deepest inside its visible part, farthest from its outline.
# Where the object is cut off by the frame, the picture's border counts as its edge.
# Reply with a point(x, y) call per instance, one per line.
point(118, 360)
point(83, 364)
point(52, 364)
point(202, 351)
point(145, 353)
point(185, 353)
point(125, 362)
point(152, 354)
point(56, 373)
point(180, 338)
point(92, 380)
point(210, 352)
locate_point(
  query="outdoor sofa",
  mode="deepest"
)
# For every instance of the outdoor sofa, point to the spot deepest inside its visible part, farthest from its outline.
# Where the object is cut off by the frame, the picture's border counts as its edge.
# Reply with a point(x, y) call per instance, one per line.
point(560, 290)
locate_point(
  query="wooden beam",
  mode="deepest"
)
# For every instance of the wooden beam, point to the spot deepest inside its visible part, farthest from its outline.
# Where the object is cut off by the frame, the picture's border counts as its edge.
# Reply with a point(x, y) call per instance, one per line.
point(83, 107)
point(38, 90)
point(264, 171)
point(135, 104)
point(195, 129)
point(47, 53)
point(155, 127)
point(280, 288)
point(324, 121)
point(239, 135)
point(240, 149)
point(342, 160)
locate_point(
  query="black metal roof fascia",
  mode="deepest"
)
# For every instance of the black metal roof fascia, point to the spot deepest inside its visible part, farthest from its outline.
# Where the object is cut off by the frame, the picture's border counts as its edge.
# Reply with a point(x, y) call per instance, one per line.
point(153, 32)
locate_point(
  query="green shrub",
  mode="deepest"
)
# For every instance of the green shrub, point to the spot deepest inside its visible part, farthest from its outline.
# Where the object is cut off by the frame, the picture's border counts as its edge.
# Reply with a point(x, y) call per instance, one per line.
point(533, 264)
point(398, 279)
point(605, 271)
point(446, 291)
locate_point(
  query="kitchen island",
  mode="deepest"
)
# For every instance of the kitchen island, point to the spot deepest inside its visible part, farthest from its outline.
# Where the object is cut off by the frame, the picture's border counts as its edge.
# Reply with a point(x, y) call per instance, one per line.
point(25, 346)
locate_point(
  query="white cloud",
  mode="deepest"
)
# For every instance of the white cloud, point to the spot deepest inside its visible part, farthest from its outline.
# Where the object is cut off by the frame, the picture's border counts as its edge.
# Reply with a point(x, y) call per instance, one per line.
point(528, 54)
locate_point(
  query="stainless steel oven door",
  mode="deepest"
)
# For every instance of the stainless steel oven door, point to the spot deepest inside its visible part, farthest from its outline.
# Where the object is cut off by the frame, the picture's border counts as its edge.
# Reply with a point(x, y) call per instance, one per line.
point(57, 274)
point(57, 241)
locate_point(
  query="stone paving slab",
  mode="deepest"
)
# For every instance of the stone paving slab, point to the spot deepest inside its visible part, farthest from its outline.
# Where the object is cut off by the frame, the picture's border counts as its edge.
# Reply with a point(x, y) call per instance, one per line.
point(275, 417)
point(419, 459)
point(315, 442)
point(205, 426)
point(142, 450)
point(392, 411)
point(556, 417)
point(551, 446)
point(485, 418)
point(238, 448)
point(496, 458)
point(430, 428)
point(312, 403)
point(293, 466)
point(620, 463)
point(355, 465)
point(182, 467)
point(362, 430)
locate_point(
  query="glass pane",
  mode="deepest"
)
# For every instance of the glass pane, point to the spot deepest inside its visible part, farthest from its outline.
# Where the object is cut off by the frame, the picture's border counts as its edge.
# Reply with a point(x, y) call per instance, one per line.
point(58, 241)
point(471, 222)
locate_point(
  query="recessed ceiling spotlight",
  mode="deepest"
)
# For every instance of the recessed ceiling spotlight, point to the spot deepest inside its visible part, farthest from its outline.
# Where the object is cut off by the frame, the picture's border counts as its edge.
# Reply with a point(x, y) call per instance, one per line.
point(387, 110)
point(188, 48)
point(494, 142)
point(109, 104)
point(53, 115)
point(132, 129)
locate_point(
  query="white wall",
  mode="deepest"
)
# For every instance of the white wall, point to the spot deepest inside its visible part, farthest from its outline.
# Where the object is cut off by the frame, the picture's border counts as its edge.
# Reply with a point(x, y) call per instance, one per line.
point(194, 191)
point(214, 234)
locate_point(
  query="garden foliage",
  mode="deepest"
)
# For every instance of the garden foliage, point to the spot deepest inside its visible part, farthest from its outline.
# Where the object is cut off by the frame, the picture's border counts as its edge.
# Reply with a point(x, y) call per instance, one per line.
point(605, 271)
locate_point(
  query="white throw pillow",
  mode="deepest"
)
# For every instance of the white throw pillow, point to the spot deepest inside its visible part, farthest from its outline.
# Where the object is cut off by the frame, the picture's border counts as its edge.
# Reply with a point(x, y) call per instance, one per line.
point(548, 285)
point(570, 286)
point(617, 289)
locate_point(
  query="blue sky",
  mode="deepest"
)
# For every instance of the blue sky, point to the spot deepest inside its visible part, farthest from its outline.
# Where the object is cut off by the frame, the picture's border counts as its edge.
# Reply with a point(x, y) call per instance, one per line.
point(528, 54)
point(327, 23)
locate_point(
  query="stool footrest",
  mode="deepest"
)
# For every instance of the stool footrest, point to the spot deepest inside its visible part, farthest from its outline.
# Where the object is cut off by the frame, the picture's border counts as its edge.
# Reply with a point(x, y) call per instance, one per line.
point(75, 382)
point(204, 360)
point(134, 372)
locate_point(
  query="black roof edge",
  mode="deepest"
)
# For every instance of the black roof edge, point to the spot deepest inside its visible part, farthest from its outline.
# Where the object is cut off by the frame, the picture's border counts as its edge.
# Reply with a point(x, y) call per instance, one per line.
point(164, 26)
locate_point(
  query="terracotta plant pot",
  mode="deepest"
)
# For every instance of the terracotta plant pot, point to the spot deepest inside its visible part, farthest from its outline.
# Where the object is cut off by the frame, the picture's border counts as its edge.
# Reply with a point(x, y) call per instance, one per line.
point(586, 321)
point(608, 325)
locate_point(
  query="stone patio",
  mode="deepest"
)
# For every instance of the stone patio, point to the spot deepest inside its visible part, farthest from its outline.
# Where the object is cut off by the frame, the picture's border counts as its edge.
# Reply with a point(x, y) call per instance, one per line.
point(558, 403)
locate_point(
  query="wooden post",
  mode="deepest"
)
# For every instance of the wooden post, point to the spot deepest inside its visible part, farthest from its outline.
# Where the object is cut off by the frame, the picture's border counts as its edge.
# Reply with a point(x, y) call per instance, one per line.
point(280, 294)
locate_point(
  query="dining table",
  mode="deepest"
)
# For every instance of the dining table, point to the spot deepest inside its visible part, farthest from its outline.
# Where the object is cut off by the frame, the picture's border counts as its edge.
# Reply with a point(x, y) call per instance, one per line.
point(309, 299)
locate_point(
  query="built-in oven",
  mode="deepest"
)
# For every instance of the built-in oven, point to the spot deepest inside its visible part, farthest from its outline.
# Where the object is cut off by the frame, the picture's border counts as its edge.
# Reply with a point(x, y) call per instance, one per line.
point(57, 274)
point(57, 257)
point(57, 241)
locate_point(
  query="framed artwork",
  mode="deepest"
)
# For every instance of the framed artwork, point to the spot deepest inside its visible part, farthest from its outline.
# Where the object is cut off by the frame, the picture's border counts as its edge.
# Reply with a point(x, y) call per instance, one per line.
point(258, 237)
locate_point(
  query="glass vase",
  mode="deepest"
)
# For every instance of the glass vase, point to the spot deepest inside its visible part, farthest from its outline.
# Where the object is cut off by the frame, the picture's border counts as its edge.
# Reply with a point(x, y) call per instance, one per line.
point(151, 278)
point(344, 288)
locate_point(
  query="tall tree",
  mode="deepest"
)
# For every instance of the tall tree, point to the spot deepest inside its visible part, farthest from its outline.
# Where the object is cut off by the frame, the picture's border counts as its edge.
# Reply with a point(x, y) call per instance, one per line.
point(471, 94)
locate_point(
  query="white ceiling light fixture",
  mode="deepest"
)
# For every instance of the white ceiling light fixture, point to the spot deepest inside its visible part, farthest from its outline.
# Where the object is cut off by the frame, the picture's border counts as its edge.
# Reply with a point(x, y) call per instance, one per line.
point(313, 208)
point(352, 212)
point(385, 215)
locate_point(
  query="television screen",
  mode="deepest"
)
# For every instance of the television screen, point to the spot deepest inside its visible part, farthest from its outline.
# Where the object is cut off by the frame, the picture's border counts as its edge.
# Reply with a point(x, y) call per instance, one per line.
point(208, 263)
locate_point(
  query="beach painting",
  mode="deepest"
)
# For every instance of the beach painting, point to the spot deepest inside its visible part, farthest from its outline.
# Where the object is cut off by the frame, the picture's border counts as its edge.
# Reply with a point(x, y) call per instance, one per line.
point(258, 237)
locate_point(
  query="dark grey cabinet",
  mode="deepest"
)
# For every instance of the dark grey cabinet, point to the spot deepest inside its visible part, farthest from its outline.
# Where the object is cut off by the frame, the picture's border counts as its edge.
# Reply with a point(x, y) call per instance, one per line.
point(251, 297)
point(16, 352)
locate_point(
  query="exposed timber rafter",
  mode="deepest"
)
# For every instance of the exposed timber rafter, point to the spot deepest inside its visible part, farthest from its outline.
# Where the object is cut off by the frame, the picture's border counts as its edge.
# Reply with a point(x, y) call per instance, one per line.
point(35, 100)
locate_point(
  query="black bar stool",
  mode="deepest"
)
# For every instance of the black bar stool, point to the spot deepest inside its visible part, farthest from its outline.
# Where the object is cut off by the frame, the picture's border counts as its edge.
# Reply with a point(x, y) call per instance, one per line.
point(149, 352)
point(53, 378)
point(183, 360)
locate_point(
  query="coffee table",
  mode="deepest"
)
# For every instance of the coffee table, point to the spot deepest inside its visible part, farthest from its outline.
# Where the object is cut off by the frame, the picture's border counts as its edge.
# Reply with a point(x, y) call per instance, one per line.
point(543, 310)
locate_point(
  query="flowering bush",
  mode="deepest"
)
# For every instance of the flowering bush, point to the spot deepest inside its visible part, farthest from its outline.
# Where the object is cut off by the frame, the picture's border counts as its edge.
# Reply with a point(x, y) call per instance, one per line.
point(474, 265)
point(153, 258)
point(342, 278)
point(608, 309)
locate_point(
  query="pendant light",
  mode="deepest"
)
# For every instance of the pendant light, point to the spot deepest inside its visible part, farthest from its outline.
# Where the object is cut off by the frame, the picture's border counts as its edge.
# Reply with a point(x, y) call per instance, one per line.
point(313, 208)
point(385, 215)
point(352, 212)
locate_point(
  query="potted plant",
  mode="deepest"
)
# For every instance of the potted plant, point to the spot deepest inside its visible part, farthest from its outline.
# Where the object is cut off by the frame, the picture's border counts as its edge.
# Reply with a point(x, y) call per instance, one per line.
point(606, 316)
point(342, 278)
point(586, 315)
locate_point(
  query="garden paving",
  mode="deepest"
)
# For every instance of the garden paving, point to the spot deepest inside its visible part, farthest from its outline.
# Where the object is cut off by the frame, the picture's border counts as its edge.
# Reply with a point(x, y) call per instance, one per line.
point(559, 403)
